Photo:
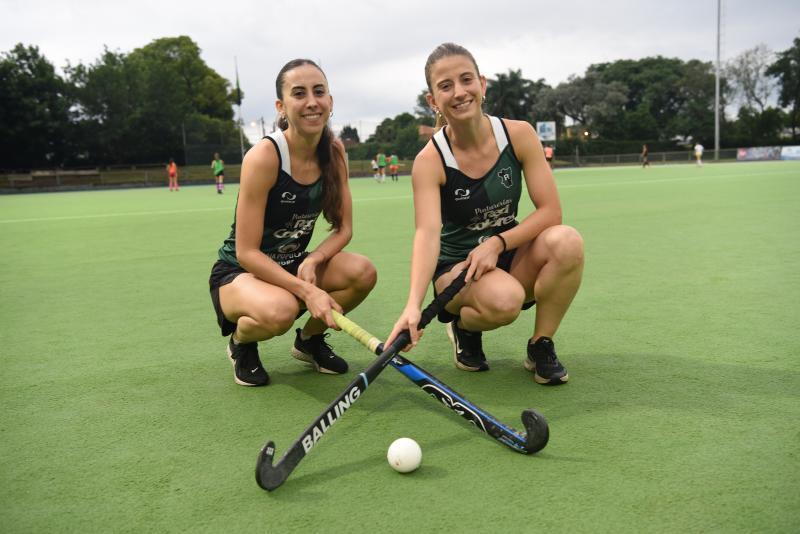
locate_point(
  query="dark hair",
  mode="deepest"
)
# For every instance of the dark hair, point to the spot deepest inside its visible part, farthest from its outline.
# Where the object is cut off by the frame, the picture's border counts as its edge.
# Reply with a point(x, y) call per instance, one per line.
point(440, 52)
point(329, 157)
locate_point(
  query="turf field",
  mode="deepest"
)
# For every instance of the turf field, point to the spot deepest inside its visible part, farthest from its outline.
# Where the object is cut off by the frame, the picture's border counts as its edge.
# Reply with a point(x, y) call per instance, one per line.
point(119, 410)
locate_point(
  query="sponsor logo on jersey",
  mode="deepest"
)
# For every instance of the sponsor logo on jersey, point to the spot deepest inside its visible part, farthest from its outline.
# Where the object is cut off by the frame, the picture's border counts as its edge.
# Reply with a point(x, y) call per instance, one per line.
point(506, 177)
point(297, 227)
point(496, 215)
point(288, 197)
point(288, 247)
point(461, 194)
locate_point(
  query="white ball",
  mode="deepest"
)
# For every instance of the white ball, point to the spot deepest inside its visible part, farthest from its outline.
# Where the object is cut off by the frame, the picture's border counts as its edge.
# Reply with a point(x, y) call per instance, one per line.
point(404, 455)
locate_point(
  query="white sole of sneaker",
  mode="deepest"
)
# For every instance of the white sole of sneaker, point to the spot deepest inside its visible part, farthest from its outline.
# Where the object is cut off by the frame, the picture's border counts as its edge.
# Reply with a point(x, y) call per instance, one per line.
point(449, 328)
point(307, 358)
point(236, 378)
point(530, 366)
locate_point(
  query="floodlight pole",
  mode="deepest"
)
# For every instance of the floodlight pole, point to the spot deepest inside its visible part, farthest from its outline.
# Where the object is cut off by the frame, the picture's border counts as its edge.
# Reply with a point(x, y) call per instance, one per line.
point(241, 135)
point(239, 102)
point(716, 88)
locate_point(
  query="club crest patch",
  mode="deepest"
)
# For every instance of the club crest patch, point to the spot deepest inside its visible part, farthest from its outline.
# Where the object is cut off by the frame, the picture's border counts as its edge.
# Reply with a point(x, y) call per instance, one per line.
point(506, 177)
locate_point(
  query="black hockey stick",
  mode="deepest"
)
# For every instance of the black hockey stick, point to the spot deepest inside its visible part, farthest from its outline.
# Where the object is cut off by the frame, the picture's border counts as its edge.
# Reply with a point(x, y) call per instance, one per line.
point(529, 442)
point(268, 475)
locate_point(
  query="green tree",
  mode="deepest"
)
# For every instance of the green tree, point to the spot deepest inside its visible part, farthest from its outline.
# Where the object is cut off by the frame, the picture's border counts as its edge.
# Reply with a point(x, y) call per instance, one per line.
point(512, 96)
point(423, 111)
point(677, 95)
point(748, 78)
point(108, 94)
point(756, 127)
point(787, 70)
point(398, 135)
point(590, 102)
point(694, 106)
point(136, 107)
point(349, 134)
point(34, 111)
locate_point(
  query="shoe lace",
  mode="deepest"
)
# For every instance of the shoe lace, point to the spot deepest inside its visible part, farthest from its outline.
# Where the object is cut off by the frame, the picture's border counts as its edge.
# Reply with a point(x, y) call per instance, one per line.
point(323, 349)
point(544, 354)
point(248, 354)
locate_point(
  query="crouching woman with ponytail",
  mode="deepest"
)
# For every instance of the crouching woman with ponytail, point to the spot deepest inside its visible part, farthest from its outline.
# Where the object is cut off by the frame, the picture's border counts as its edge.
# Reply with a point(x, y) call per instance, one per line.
point(265, 276)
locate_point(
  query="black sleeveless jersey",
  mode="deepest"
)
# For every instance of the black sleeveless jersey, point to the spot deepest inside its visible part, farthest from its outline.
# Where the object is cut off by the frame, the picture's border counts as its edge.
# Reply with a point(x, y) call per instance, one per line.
point(289, 217)
point(475, 209)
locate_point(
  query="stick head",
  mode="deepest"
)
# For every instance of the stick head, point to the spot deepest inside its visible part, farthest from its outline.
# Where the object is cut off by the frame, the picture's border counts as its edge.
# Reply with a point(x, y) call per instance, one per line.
point(537, 430)
point(267, 476)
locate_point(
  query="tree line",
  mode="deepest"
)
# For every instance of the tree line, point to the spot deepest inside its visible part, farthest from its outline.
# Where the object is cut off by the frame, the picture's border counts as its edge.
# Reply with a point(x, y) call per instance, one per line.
point(615, 107)
point(142, 107)
point(148, 105)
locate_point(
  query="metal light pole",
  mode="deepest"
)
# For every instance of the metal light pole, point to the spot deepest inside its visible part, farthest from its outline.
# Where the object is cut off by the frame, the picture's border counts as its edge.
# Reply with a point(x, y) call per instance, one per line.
point(716, 88)
point(239, 101)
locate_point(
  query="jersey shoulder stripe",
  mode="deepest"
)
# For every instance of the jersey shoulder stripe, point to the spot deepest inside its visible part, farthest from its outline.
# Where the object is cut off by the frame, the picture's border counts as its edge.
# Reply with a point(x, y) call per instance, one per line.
point(279, 140)
point(442, 143)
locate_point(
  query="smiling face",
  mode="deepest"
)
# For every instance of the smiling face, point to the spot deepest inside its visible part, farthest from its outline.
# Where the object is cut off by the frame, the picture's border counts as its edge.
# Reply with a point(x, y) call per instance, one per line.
point(456, 88)
point(304, 99)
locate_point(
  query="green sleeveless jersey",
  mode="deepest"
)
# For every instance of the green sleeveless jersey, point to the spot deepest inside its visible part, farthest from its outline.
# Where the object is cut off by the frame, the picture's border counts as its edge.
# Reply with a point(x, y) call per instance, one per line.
point(475, 209)
point(382, 160)
point(218, 166)
point(394, 160)
point(291, 212)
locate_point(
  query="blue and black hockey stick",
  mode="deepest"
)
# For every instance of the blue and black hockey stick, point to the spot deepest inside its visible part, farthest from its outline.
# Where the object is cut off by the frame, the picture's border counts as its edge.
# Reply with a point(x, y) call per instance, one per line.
point(533, 440)
point(268, 475)
point(271, 476)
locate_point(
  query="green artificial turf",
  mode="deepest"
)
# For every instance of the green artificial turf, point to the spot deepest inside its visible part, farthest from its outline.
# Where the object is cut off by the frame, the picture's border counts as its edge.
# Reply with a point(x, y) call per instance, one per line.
point(119, 411)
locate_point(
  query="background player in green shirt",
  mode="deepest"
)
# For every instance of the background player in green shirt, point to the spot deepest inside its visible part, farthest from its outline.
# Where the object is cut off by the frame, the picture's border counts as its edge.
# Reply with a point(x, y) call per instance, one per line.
point(394, 165)
point(381, 158)
point(467, 182)
point(218, 166)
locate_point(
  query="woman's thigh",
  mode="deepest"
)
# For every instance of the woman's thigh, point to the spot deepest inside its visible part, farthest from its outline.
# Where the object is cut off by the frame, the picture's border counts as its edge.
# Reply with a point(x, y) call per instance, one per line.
point(265, 303)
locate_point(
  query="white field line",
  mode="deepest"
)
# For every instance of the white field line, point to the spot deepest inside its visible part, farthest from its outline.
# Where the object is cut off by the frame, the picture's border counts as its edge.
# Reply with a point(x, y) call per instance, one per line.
point(405, 197)
point(682, 179)
point(145, 213)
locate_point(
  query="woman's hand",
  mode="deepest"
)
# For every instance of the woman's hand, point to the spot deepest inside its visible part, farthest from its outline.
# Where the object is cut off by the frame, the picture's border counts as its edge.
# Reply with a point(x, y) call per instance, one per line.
point(307, 271)
point(409, 320)
point(320, 304)
point(483, 258)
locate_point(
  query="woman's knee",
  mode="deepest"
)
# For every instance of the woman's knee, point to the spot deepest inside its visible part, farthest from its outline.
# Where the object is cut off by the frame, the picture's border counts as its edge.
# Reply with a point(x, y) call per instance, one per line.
point(362, 274)
point(276, 320)
point(566, 245)
point(504, 305)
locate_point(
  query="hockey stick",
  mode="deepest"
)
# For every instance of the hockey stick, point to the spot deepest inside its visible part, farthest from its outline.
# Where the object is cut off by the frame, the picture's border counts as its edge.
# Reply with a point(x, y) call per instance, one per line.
point(268, 475)
point(535, 424)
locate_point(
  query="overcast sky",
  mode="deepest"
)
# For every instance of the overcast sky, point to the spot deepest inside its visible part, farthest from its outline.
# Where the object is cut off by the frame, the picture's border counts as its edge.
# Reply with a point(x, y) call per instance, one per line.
point(373, 51)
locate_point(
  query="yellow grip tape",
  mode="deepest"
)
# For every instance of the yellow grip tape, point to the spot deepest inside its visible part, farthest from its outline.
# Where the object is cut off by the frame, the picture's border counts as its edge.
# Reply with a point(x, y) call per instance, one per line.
point(356, 332)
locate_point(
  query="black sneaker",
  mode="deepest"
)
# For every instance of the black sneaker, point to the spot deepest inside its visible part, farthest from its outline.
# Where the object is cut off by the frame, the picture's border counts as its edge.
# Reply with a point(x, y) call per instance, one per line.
point(247, 368)
point(467, 348)
point(543, 362)
point(316, 351)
